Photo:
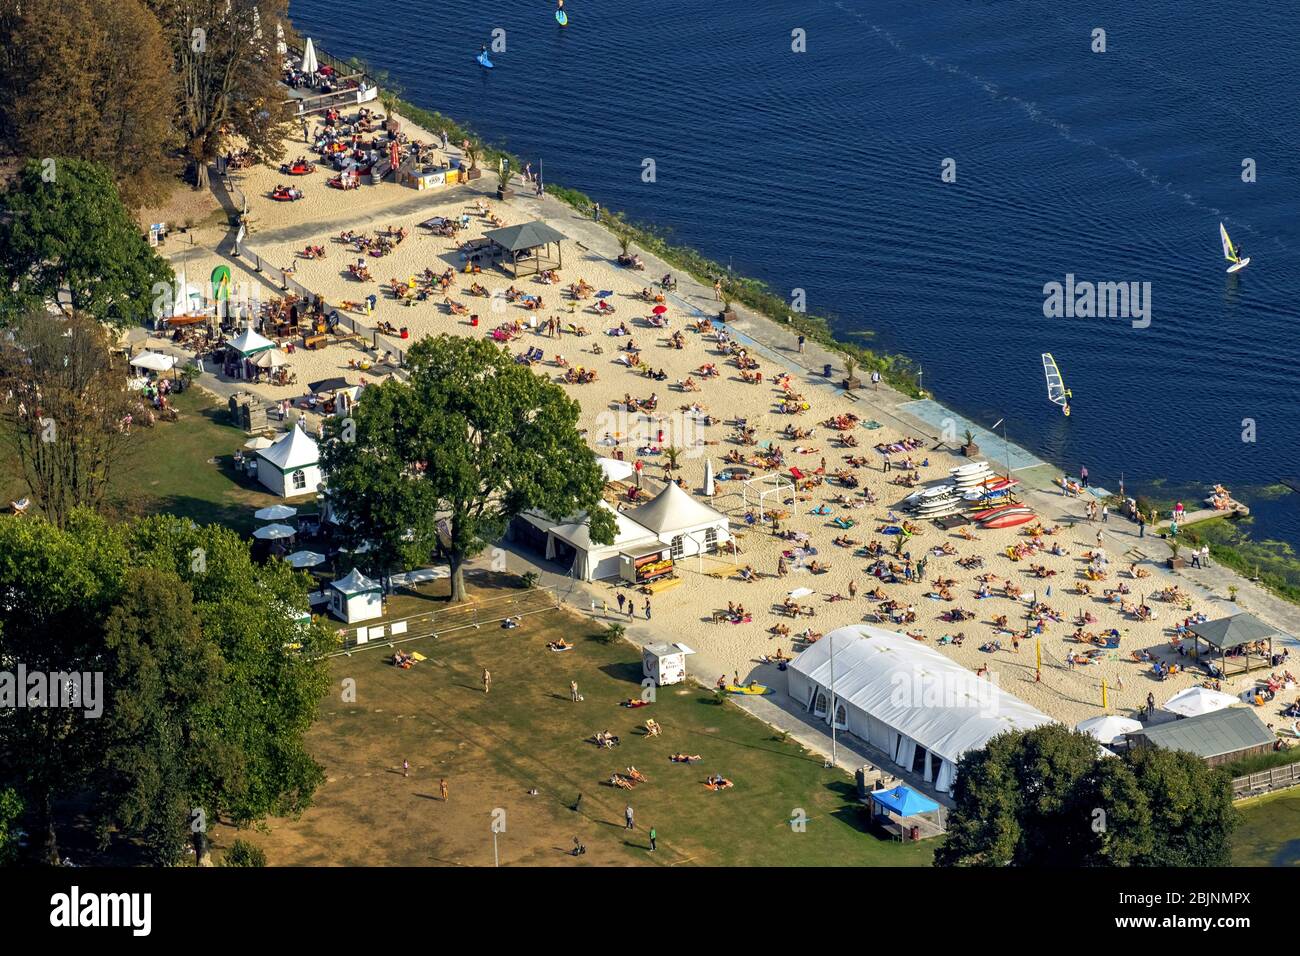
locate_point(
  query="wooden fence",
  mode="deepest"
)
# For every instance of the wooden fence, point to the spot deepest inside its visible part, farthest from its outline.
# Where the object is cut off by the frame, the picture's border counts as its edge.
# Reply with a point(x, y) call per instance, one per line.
point(1266, 781)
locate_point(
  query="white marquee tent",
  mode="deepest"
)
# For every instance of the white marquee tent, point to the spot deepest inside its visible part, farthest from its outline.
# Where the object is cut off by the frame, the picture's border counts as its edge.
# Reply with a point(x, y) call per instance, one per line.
point(591, 561)
point(905, 699)
point(356, 598)
point(291, 466)
point(153, 361)
point(687, 525)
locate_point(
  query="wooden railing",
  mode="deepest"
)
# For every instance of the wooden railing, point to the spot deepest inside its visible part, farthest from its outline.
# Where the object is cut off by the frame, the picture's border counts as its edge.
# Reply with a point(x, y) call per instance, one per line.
point(1266, 781)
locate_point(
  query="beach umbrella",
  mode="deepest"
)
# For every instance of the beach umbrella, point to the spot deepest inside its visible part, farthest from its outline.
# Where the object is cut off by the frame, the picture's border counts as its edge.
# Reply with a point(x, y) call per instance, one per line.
point(659, 309)
point(708, 477)
point(1108, 727)
point(258, 443)
point(309, 58)
point(305, 559)
point(800, 592)
point(1198, 700)
point(614, 469)
point(271, 358)
point(275, 513)
point(274, 532)
point(280, 46)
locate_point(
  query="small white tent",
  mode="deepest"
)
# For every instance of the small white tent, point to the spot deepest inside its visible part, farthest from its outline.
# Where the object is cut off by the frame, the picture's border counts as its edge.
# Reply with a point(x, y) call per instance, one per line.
point(356, 598)
point(909, 700)
point(291, 466)
point(153, 361)
point(249, 343)
point(686, 525)
point(591, 561)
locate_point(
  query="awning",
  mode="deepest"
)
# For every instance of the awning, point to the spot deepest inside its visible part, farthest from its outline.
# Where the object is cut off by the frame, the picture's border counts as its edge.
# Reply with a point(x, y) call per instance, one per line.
point(904, 801)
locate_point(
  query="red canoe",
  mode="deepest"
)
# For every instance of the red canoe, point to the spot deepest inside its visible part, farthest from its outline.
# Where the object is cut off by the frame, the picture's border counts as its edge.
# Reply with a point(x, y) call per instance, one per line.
point(1009, 520)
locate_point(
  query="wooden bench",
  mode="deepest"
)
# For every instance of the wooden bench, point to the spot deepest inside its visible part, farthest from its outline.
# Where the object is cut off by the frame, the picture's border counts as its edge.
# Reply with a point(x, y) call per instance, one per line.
point(315, 341)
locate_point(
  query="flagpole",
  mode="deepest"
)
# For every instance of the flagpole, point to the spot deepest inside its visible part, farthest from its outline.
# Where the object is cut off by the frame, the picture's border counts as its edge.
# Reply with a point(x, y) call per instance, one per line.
point(834, 754)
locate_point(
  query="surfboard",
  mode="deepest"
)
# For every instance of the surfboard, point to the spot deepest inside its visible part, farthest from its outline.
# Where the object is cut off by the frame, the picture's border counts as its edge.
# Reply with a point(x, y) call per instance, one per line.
point(561, 18)
point(483, 60)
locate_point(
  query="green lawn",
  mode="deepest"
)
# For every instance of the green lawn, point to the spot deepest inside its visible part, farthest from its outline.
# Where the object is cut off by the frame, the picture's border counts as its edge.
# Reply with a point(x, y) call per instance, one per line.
point(527, 734)
point(1269, 834)
point(183, 468)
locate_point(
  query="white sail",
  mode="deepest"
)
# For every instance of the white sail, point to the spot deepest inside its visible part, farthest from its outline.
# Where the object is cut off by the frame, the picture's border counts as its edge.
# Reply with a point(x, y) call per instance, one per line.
point(1056, 390)
point(1229, 251)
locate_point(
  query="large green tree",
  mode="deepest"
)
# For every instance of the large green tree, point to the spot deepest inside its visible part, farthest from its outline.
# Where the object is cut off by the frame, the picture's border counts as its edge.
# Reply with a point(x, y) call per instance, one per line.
point(440, 463)
point(67, 240)
point(1047, 798)
point(210, 683)
point(229, 72)
point(93, 81)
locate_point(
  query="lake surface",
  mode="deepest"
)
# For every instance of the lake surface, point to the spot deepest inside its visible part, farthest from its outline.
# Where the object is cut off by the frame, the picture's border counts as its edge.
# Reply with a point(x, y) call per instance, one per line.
point(821, 171)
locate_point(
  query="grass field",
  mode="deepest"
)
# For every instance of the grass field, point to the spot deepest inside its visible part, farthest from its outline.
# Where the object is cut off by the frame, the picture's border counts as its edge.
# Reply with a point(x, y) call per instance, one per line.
point(527, 734)
point(183, 468)
point(1269, 834)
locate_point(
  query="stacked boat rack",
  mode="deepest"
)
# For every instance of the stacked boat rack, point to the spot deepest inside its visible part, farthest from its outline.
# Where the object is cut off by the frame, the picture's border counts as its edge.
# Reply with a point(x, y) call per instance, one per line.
point(988, 498)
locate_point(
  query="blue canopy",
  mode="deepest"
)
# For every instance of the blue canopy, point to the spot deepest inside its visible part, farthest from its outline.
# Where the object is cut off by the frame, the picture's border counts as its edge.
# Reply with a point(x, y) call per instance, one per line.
point(904, 801)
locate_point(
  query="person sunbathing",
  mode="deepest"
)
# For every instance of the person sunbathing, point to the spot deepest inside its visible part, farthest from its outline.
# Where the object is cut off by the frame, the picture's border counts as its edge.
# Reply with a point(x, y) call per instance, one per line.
point(636, 775)
point(685, 758)
point(652, 728)
point(560, 645)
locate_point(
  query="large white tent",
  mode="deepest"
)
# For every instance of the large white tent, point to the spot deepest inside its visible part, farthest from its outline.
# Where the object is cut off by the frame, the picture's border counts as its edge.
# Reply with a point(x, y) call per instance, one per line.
point(683, 523)
point(291, 466)
point(153, 361)
point(905, 699)
point(591, 561)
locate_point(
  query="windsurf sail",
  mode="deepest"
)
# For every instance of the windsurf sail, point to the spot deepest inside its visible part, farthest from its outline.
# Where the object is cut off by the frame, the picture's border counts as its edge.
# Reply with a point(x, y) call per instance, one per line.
point(1057, 393)
point(1229, 250)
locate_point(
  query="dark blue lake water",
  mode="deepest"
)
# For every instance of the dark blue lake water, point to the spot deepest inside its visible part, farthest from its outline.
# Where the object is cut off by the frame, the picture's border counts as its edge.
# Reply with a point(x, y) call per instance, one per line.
point(821, 171)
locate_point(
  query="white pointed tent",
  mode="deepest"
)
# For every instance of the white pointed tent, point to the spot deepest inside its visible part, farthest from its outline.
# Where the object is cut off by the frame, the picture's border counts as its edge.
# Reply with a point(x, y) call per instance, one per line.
point(291, 466)
point(905, 698)
point(591, 561)
point(686, 525)
point(249, 343)
point(354, 597)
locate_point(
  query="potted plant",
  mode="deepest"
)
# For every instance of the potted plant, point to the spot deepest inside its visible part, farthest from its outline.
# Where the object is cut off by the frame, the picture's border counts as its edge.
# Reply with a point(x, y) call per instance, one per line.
point(970, 449)
point(474, 151)
point(850, 366)
point(1174, 562)
point(672, 459)
point(503, 183)
point(728, 314)
point(1232, 593)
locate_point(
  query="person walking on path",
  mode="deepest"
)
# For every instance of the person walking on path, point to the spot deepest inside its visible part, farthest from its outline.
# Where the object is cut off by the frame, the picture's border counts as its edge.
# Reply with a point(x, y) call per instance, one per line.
point(801, 341)
point(620, 602)
point(573, 691)
point(631, 608)
point(1142, 525)
point(1196, 557)
point(875, 379)
point(627, 815)
point(647, 609)
point(406, 768)
point(1205, 555)
point(487, 681)
point(596, 212)
point(1083, 476)
point(442, 789)
point(654, 838)
point(717, 289)
point(1105, 513)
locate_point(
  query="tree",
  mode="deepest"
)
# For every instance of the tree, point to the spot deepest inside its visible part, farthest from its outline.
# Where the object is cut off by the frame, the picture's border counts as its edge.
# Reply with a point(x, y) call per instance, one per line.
point(230, 76)
point(1045, 798)
point(243, 853)
point(65, 419)
point(11, 811)
point(441, 463)
point(211, 683)
point(92, 81)
point(69, 241)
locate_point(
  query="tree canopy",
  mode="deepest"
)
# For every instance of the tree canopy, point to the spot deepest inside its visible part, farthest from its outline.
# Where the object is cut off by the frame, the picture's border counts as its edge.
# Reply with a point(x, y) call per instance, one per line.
point(68, 240)
point(230, 72)
point(1046, 798)
point(439, 464)
point(210, 683)
point(92, 81)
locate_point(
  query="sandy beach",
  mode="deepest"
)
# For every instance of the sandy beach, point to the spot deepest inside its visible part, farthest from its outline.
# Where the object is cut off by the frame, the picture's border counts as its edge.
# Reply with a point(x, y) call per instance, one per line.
point(686, 613)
